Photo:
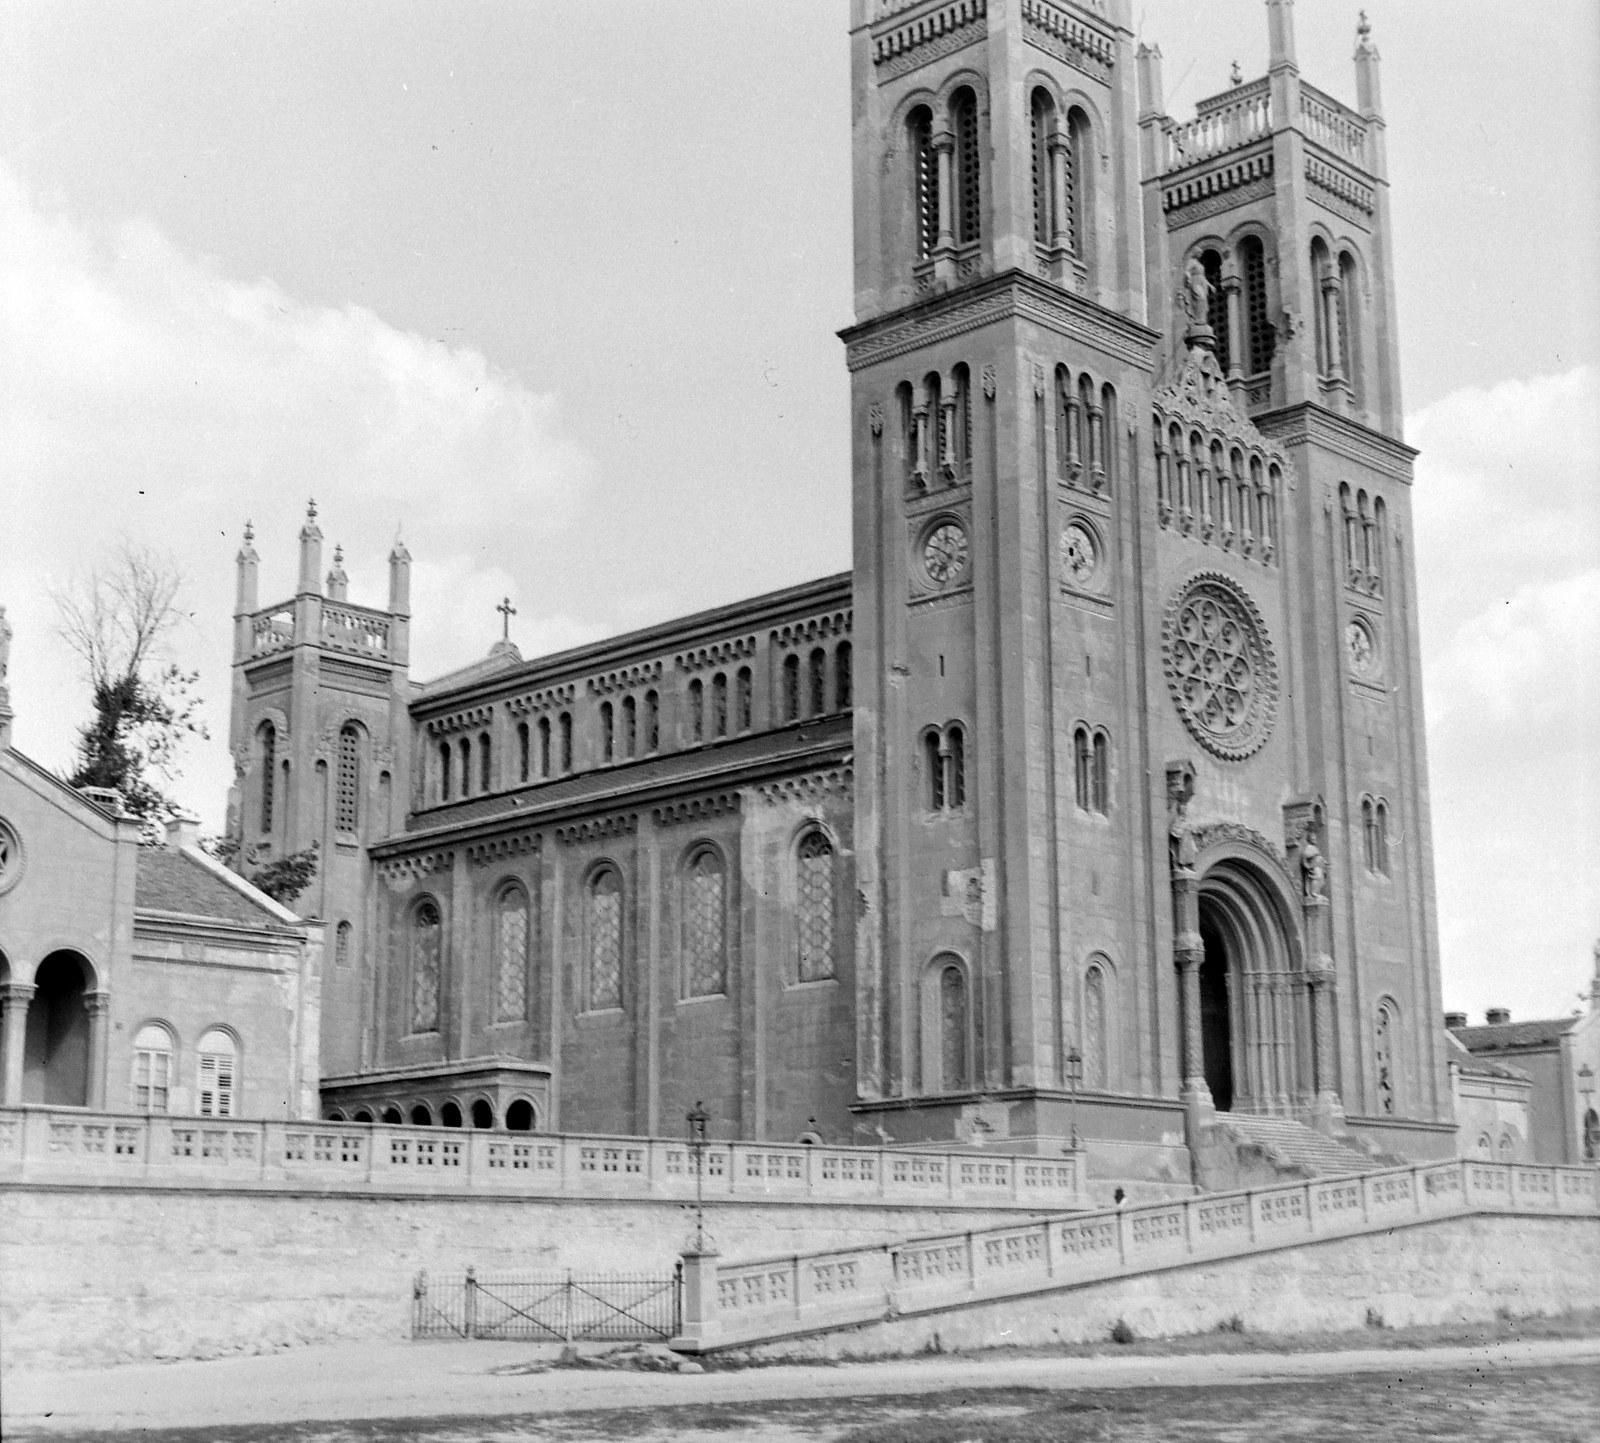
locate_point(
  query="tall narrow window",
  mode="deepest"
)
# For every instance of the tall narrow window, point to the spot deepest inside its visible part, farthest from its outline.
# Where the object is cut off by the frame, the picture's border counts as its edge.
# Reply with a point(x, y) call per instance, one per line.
point(743, 697)
point(1349, 323)
point(1100, 778)
point(1094, 1029)
point(566, 741)
point(347, 780)
point(956, 748)
point(697, 716)
point(961, 418)
point(969, 189)
point(924, 180)
point(1369, 834)
point(1381, 838)
point(934, 755)
point(630, 725)
point(1384, 1060)
point(466, 766)
point(1079, 173)
point(522, 751)
point(607, 732)
point(544, 746)
point(719, 705)
point(445, 755)
point(1081, 766)
point(269, 769)
point(1260, 335)
point(815, 907)
point(705, 963)
point(953, 1070)
point(511, 955)
point(152, 1069)
point(341, 945)
point(843, 681)
point(605, 939)
point(485, 764)
point(817, 702)
point(1319, 273)
point(427, 939)
point(791, 687)
point(1216, 305)
point(652, 721)
point(1043, 113)
point(217, 1081)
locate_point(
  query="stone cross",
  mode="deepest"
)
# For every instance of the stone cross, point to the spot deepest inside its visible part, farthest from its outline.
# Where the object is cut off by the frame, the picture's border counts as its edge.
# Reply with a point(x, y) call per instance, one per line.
point(507, 611)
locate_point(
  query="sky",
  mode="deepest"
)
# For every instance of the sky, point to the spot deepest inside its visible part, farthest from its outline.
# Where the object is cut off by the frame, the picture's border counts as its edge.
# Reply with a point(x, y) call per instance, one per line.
point(552, 288)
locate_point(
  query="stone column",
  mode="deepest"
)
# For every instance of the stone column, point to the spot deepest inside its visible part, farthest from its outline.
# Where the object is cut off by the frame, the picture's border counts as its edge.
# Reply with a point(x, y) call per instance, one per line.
point(944, 250)
point(1188, 952)
point(14, 1000)
point(98, 1006)
point(1322, 988)
point(919, 438)
point(1097, 464)
point(1060, 192)
point(1330, 325)
point(1232, 289)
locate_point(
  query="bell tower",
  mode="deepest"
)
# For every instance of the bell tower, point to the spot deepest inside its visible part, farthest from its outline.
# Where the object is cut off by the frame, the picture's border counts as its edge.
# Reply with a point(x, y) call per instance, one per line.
point(998, 358)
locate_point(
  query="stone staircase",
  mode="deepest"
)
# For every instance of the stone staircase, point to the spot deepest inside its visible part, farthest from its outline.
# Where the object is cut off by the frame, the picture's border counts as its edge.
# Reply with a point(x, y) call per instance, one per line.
point(1291, 1143)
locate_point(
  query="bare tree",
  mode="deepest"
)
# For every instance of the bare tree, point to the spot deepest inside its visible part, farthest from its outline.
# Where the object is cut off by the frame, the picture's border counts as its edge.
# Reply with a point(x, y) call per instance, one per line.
point(118, 620)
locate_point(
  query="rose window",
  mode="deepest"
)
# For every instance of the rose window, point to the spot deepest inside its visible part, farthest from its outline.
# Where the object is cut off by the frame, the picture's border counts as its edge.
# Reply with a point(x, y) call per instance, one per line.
point(1220, 666)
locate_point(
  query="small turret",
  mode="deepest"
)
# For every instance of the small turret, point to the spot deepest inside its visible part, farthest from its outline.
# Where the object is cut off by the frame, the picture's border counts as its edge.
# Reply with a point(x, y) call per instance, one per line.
point(1369, 99)
point(310, 552)
point(400, 579)
point(1151, 99)
point(246, 597)
point(1280, 35)
point(338, 582)
point(6, 713)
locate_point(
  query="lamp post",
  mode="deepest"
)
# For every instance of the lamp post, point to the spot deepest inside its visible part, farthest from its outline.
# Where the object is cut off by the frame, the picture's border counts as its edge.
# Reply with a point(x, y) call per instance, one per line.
point(698, 1119)
point(1073, 1062)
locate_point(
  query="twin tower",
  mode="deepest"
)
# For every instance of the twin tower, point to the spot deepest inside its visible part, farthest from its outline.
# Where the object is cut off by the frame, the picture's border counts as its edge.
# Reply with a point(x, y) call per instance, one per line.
point(1139, 793)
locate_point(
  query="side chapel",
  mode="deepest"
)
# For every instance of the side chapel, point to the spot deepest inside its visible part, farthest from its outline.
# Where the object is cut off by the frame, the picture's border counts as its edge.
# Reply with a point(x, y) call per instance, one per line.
point(1093, 798)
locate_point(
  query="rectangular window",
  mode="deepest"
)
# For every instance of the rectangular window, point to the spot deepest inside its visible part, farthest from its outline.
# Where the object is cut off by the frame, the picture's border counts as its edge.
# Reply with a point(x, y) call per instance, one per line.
point(216, 1085)
point(152, 1080)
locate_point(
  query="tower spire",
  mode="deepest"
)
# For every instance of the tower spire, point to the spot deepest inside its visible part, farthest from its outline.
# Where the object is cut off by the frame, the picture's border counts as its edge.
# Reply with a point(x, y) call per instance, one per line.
point(310, 551)
point(338, 582)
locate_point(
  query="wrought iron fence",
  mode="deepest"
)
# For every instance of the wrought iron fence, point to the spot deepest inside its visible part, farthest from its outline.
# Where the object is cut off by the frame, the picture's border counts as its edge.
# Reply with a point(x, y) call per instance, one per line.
point(550, 1307)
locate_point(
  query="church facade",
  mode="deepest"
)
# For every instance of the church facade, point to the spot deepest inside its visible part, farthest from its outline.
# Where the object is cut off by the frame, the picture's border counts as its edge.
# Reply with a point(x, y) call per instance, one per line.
point(1093, 799)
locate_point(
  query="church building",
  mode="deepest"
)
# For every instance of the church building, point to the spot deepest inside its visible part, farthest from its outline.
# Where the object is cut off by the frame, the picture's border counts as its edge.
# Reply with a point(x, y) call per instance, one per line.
point(1091, 801)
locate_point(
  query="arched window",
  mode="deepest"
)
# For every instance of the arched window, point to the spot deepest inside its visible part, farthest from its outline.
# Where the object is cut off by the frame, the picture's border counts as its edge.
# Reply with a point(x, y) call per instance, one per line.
point(1095, 1069)
point(450, 1115)
point(1320, 271)
point(1260, 335)
point(697, 719)
point(216, 1075)
point(341, 945)
point(815, 906)
point(818, 699)
point(519, 1116)
point(1080, 172)
point(945, 751)
point(843, 682)
point(511, 955)
point(1508, 1148)
point(466, 766)
point(152, 1068)
point(719, 705)
point(705, 961)
point(954, 1071)
point(1349, 324)
point(1043, 121)
point(445, 755)
point(791, 687)
point(347, 780)
point(969, 188)
point(934, 756)
point(924, 179)
point(269, 768)
point(1216, 305)
point(1381, 838)
point(652, 721)
point(523, 751)
point(482, 1114)
point(743, 695)
point(956, 789)
point(961, 419)
point(1369, 834)
point(422, 1115)
point(1100, 777)
point(607, 729)
point(1081, 763)
point(485, 764)
point(1485, 1145)
point(605, 939)
point(565, 728)
point(427, 940)
point(1385, 1038)
point(1380, 529)
point(630, 725)
point(1591, 1136)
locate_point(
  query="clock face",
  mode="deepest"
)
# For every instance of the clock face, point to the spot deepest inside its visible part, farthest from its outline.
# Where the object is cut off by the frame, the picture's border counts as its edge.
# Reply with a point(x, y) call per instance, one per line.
point(1361, 648)
point(1079, 554)
point(944, 553)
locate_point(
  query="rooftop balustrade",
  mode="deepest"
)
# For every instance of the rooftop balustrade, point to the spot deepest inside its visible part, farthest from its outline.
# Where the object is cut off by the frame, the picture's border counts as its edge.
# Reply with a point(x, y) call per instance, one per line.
point(345, 627)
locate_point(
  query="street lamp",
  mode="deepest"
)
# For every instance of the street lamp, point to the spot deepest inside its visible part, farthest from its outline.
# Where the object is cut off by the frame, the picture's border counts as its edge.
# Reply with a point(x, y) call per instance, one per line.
point(1074, 1066)
point(698, 1119)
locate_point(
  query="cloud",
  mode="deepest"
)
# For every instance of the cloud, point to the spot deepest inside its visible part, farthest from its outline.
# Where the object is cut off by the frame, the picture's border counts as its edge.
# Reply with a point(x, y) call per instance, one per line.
point(1508, 559)
point(143, 390)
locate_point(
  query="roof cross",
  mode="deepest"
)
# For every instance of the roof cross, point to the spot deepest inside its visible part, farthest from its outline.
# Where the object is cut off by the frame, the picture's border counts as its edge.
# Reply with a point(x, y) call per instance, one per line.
point(507, 611)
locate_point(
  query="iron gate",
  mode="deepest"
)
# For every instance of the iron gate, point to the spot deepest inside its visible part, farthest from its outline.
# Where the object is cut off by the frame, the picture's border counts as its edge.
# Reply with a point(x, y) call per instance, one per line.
point(550, 1307)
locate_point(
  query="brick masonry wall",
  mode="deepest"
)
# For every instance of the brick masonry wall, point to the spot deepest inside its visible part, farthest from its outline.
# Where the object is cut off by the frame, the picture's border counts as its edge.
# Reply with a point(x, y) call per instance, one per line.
point(94, 1276)
point(1458, 1270)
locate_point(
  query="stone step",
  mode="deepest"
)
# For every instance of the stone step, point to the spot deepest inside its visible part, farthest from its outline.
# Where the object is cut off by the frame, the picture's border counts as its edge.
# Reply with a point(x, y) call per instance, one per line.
point(1301, 1144)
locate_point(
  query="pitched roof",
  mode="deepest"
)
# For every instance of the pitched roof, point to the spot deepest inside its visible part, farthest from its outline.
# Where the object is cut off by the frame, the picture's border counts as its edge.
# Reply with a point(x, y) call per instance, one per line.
point(170, 880)
point(1501, 1036)
point(1478, 1067)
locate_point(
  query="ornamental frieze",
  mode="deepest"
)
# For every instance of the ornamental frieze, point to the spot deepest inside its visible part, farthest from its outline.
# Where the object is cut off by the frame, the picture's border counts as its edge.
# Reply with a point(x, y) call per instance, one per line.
point(399, 873)
point(694, 809)
point(834, 781)
point(495, 849)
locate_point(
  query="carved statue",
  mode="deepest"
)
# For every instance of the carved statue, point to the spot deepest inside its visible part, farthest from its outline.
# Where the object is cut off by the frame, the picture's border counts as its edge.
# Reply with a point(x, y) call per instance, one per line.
point(1195, 298)
point(1314, 869)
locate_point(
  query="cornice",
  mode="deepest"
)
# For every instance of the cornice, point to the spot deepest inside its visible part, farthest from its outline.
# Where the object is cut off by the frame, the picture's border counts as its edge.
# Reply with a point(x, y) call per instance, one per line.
point(1308, 423)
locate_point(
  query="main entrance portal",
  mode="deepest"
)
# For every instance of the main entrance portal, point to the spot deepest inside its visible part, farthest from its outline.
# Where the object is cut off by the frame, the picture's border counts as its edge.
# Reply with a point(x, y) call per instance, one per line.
point(1216, 1030)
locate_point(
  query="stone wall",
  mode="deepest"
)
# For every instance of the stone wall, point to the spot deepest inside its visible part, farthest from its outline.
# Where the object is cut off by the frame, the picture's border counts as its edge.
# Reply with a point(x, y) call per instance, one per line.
point(96, 1275)
point(1457, 1270)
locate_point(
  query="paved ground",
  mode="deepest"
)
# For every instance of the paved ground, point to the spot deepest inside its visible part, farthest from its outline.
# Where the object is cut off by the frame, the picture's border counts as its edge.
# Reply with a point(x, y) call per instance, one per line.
point(462, 1392)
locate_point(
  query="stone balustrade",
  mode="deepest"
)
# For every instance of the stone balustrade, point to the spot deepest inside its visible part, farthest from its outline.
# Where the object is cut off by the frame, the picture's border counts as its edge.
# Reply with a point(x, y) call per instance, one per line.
point(1224, 124)
point(1331, 125)
point(756, 1301)
point(355, 628)
point(58, 1145)
point(272, 629)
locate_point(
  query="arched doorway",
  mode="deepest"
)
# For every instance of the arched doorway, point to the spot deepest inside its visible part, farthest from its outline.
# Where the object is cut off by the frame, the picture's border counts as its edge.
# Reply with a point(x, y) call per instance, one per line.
point(55, 1057)
point(1254, 1013)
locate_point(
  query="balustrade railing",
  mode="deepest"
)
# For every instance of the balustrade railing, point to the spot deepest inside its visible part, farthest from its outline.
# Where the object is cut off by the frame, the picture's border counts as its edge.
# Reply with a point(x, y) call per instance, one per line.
point(354, 628)
point(1330, 124)
point(1224, 124)
point(55, 1145)
point(272, 629)
point(771, 1298)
